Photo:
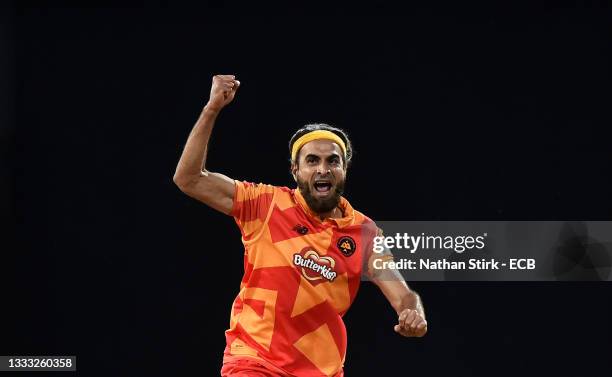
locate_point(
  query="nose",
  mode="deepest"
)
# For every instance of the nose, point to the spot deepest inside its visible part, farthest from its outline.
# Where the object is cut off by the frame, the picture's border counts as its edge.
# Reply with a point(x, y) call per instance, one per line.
point(323, 169)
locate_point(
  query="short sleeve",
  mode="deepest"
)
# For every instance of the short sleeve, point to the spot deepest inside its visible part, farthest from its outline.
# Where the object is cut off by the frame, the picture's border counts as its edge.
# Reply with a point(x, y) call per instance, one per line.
point(368, 232)
point(375, 251)
point(251, 207)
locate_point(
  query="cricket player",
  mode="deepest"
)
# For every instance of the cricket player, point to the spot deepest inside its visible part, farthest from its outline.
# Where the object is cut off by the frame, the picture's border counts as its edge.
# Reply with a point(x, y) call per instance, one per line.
point(305, 251)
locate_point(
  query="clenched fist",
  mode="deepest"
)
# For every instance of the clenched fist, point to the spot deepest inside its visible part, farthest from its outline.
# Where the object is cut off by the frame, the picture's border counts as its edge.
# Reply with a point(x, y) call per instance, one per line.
point(411, 324)
point(222, 92)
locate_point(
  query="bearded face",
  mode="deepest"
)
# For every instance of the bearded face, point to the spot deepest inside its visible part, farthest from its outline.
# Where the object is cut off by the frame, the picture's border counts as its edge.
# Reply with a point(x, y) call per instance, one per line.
point(321, 195)
point(320, 175)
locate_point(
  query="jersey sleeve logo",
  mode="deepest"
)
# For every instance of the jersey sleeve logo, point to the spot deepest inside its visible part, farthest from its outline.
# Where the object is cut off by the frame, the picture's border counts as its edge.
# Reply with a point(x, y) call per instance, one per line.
point(346, 245)
point(315, 267)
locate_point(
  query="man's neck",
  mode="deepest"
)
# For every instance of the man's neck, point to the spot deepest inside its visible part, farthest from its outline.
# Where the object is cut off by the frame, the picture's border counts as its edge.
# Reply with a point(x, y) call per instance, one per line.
point(335, 213)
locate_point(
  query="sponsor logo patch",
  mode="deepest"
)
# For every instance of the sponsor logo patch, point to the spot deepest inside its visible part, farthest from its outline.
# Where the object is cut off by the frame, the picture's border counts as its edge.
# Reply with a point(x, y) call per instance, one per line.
point(315, 267)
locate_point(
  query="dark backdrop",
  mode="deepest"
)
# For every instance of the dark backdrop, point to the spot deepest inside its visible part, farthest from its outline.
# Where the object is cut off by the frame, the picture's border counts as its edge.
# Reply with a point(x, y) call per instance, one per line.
point(457, 112)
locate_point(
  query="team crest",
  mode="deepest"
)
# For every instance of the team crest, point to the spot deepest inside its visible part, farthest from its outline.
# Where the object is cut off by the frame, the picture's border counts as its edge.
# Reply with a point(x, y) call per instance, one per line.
point(346, 245)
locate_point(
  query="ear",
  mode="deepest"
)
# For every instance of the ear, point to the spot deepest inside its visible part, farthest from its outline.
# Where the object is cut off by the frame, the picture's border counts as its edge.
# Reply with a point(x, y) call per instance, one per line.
point(294, 169)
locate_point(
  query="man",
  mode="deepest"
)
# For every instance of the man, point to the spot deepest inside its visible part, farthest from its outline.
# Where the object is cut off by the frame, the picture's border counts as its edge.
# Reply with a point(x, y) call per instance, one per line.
point(305, 251)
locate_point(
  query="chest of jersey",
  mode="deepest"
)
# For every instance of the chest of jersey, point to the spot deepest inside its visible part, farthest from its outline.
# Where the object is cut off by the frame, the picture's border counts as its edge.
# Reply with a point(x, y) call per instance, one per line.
point(322, 260)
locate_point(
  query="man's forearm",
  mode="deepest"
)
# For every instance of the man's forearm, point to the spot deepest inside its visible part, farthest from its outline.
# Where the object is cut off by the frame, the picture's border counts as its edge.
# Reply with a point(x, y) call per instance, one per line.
point(213, 189)
point(193, 159)
point(397, 292)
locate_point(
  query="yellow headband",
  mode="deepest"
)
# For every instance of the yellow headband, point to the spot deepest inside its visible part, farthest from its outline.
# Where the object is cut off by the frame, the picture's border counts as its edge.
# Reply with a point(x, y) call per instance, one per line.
point(314, 135)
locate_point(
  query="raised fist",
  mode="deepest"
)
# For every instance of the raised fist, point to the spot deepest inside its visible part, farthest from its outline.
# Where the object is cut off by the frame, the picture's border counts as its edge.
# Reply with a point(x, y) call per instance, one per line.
point(222, 92)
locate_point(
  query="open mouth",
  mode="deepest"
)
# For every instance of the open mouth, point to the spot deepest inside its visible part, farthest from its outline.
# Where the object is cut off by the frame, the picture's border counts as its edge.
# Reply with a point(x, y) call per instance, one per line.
point(322, 187)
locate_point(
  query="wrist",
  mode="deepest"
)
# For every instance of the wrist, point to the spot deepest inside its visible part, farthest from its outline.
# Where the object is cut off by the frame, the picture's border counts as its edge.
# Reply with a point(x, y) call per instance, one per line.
point(408, 301)
point(211, 109)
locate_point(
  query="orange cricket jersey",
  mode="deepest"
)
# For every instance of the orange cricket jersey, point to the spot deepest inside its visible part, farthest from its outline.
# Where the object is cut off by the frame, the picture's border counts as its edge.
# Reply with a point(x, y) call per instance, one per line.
point(301, 275)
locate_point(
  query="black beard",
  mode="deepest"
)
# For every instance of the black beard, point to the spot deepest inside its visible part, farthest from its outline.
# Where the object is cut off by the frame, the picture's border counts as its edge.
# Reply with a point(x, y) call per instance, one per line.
point(321, 205)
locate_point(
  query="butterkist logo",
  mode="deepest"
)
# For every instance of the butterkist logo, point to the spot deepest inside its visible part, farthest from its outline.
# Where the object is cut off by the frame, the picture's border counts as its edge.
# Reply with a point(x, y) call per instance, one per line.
point(315, 267)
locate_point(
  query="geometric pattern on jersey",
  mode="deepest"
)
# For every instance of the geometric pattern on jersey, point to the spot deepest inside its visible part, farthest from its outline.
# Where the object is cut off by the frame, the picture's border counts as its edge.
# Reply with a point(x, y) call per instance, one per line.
point(297, 283)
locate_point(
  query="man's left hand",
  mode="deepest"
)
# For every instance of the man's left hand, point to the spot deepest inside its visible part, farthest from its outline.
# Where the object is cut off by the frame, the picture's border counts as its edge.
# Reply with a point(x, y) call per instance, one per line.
point(411, 324)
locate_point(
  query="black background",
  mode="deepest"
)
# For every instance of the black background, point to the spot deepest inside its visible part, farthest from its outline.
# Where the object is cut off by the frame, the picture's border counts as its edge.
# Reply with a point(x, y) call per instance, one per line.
point(457, 112)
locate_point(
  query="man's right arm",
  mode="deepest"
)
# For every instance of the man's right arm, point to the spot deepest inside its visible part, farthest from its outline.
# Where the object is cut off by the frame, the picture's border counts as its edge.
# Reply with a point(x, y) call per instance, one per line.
point(214, 189)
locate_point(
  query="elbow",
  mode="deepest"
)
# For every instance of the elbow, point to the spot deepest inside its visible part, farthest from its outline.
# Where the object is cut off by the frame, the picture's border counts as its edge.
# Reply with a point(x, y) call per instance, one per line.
point(178, 180)
point(182, 182)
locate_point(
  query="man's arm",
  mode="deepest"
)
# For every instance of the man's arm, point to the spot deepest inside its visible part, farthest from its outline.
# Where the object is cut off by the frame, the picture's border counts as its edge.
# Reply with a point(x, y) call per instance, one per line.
point(406, 302)
point(214, 189)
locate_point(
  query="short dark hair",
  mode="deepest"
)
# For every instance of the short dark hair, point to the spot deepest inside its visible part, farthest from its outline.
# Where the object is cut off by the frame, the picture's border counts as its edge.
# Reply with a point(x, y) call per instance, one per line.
point(326, 127)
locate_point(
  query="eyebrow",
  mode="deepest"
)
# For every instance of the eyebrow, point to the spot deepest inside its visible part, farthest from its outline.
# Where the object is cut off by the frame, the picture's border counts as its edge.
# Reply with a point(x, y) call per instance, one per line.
point(332, 155)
